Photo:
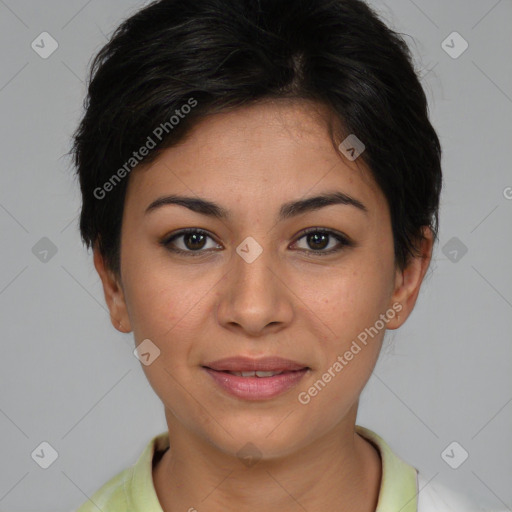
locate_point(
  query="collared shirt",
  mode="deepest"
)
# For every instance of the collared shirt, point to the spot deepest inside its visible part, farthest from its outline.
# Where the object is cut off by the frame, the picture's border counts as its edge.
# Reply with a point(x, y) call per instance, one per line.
point(401, 488)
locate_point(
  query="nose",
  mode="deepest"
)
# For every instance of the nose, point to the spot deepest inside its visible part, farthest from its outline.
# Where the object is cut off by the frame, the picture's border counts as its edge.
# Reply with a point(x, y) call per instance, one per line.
point(254, 297)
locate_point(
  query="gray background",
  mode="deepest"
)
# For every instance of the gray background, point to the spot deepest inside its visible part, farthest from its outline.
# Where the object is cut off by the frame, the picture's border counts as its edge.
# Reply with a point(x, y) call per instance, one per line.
point(68, 378)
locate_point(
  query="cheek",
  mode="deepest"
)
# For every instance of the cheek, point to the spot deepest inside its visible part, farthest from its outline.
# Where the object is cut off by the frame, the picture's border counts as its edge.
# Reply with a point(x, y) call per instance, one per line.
point(349, 311)
point(162, 297)
point(347, 305)
point(163, 308)
point(348, 298)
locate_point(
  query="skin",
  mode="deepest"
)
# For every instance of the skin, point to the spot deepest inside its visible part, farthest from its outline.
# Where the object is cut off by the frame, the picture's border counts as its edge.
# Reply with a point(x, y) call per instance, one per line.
point(288, 302)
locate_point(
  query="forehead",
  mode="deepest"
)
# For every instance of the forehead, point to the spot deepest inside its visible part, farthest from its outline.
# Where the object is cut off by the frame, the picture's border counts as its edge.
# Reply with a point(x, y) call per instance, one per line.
point(256, 156)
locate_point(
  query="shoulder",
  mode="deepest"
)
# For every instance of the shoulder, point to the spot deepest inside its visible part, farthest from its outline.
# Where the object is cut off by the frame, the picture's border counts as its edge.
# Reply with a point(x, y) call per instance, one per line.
point(111, 497)
point(436, 497)
point(132, 489)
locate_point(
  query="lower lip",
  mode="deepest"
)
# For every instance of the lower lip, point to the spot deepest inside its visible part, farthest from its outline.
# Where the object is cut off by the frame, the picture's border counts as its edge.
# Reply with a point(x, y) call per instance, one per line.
point(257, 388)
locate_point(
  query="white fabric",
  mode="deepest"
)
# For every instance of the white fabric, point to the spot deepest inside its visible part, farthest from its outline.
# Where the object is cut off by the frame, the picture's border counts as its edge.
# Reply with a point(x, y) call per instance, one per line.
point(436, 497)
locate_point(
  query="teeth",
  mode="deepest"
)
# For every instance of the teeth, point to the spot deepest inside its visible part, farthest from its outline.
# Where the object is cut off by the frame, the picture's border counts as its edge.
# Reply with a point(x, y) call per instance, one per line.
point(255, 374)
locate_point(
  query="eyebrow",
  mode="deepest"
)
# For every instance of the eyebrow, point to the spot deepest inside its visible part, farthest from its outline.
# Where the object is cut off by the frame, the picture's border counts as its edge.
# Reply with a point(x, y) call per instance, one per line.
point(287, 210)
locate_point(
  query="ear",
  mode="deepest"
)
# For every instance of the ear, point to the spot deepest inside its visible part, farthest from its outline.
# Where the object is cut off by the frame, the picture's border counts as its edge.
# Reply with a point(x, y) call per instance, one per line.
point(114, 295)
point(408, 281)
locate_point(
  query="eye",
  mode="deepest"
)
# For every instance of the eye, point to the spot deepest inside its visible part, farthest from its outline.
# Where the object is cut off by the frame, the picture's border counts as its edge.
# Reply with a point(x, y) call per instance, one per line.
point(192, 243)
point(318, 240)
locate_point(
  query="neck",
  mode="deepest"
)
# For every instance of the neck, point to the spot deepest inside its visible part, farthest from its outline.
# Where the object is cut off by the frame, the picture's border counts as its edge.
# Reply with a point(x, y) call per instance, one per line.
point(340, 471)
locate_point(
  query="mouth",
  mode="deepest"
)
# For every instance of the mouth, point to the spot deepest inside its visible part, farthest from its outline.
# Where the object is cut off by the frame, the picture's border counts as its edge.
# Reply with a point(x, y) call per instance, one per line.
point(255, 374)
point(241, 364)
point(256, 379)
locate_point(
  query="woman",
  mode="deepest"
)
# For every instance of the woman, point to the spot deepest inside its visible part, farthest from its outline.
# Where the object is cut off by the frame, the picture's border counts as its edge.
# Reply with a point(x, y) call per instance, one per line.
point(260, 185)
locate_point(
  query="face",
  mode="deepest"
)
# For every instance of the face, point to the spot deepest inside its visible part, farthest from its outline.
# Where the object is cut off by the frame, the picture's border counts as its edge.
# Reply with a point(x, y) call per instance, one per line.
point(314, 286)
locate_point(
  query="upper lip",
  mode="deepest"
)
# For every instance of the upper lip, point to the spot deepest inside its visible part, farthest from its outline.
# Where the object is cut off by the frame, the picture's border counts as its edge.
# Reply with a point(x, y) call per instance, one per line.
point(247, 364)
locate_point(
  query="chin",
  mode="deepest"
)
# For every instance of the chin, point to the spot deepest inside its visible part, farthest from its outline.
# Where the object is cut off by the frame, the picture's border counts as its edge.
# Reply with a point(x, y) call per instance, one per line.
point(255, 434)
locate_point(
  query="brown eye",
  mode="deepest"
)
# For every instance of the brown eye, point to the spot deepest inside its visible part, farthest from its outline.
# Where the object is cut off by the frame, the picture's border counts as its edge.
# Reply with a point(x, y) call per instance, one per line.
point(317, 240)
point(193, 241)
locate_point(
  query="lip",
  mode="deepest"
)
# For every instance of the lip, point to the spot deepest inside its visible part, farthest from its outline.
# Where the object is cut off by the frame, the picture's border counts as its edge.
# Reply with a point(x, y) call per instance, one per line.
point(247, 364)
point(256, 388)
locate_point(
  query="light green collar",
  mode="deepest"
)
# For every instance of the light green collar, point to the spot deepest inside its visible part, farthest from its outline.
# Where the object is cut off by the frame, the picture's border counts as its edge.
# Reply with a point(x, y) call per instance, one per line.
point(399, 486)
point(398, 489)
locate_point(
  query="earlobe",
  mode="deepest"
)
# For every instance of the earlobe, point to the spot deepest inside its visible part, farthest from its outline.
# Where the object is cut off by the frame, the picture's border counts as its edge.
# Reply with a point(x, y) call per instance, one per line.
point(120, 319)
point(114, 295)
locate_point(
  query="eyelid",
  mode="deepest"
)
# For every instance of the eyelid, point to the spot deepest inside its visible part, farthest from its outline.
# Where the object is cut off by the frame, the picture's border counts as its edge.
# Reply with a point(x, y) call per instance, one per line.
point(329, 231)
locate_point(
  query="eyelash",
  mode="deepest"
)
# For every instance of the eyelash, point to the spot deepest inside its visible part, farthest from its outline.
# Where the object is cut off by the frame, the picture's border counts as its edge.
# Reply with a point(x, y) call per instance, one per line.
point(343, 241)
